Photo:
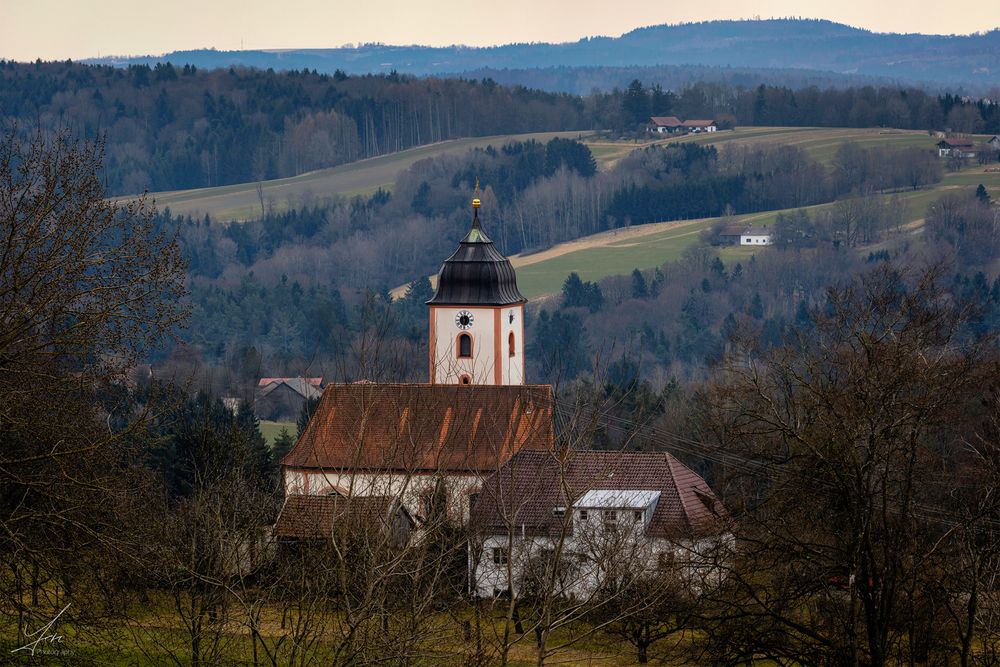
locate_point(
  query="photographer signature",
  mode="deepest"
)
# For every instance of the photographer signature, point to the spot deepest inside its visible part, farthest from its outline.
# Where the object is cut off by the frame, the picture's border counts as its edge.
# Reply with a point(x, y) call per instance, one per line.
point(44, 635)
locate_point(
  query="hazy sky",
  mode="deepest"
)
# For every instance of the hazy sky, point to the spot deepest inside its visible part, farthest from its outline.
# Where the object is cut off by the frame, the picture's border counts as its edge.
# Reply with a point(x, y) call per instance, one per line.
point(59, 29)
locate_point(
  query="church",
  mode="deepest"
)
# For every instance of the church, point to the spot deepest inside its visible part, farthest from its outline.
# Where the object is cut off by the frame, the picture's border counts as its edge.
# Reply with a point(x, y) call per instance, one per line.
point(478, 443)
point(441, 439)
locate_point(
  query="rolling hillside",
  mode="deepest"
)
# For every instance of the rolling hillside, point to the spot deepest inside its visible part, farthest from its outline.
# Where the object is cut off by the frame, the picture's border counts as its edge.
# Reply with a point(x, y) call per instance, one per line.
point(777, 43)
point(243, 201)
point(618, 251)
point(820, 142)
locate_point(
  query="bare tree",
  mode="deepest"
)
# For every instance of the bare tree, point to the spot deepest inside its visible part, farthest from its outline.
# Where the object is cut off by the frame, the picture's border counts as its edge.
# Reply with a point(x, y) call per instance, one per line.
point(87, 288)
point(843, 440)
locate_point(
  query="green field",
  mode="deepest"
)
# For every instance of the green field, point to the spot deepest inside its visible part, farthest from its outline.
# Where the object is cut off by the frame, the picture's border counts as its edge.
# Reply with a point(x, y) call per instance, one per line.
point(271, 430)
point(820, 142)
point(242, 201)
point(606, 256)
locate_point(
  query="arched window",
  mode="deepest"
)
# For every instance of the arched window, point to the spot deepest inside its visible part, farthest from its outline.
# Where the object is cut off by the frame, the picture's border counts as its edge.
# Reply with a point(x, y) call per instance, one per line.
point(510, 345)
point(465, 379)
point(464, 346)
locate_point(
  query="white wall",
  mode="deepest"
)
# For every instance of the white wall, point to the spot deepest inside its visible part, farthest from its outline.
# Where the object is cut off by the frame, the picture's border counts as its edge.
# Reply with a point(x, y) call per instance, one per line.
point(755, 239)
point(409, 488)
point(448, 368)
point(589, 555)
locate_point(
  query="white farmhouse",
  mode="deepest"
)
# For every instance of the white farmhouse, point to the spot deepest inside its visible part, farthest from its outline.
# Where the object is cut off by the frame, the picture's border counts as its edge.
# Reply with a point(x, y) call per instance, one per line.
point(703, 125)
point(756, 237)
point(664, 125)
point(601, 515)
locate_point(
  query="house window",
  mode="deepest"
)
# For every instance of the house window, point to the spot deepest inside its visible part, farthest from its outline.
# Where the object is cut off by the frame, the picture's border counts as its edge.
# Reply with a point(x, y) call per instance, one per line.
point(464, 346)
point(465, 379)
point(510, 345)
point(499, 556)
point(637, 516)
point(610, 520)
point(583, 515)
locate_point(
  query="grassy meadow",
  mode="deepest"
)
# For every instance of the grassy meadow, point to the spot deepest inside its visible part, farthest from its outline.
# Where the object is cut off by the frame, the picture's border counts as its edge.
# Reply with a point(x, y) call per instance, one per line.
point(271, 430)
point(619, 251)
point(364, 177)
point(820, 142)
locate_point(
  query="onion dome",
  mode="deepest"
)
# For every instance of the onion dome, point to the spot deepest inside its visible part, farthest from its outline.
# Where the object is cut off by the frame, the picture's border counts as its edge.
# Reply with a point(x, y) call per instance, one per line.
point(476, 274)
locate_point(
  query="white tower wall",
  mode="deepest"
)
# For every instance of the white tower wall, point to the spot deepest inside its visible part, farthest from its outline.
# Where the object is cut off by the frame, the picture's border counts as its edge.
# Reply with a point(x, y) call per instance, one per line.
point(491, 361)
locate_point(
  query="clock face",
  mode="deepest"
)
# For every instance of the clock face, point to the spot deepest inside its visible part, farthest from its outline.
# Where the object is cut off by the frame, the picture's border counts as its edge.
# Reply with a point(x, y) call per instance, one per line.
point(464, 320)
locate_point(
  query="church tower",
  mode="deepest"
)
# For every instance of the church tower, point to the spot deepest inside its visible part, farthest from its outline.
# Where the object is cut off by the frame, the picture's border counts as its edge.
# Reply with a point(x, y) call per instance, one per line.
point(477, 315)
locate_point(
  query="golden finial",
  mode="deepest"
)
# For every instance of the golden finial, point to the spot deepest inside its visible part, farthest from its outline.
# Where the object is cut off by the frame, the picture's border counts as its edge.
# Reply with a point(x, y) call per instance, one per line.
point(475, 201)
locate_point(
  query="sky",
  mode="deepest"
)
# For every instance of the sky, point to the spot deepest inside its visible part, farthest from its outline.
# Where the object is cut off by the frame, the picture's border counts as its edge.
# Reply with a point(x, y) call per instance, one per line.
point(60, 29)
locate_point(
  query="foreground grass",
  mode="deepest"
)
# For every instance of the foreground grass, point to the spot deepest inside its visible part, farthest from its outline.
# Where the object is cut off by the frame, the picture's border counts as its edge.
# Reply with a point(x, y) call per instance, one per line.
point(154, 635)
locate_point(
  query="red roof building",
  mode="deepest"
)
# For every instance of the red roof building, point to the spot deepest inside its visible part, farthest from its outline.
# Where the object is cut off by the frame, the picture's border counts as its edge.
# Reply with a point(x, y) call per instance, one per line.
point(531, 489)
point(423, 428)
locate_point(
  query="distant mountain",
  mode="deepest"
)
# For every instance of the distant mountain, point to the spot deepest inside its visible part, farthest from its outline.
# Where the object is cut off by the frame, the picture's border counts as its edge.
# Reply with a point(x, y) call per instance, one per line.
point(798, 44)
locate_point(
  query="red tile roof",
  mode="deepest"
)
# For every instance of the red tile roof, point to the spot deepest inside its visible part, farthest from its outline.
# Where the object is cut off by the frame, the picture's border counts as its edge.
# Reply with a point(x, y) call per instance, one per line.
point(315, 517)
point(665, 121)
point(956, 143)
point(698, 123)
point(423, 427)
point(523, 494)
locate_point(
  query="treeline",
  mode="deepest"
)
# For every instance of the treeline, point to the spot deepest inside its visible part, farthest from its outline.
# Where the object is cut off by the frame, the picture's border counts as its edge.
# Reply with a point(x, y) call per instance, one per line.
point(170, 127)
point(679, 320)
point(301, 285)
point(858, 106)
point(685, 181)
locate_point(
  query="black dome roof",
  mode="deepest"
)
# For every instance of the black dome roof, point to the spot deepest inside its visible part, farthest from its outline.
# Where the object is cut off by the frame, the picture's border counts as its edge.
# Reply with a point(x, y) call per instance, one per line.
point(476, 274)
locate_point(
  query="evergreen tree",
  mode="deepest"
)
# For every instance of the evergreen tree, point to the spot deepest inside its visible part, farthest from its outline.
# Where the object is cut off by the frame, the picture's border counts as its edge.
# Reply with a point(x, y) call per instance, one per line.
point(282, 444)
point(635, 104)
point(308, 409)
point(982, 195)
point(639, 288)
point(559, 346)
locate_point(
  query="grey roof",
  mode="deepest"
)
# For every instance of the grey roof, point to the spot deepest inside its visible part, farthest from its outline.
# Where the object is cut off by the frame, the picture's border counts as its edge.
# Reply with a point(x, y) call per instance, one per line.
point(477, 274)
point(301, 386)
point(617, 499)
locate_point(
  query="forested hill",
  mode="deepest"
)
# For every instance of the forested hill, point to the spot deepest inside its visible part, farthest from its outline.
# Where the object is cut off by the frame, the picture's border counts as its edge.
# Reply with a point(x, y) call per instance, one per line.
point(170, 128)
point(785, 43)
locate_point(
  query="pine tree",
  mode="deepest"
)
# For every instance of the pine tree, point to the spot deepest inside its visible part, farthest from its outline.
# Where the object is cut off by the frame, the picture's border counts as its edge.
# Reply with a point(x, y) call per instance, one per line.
point(639, 287)
point(982, 195)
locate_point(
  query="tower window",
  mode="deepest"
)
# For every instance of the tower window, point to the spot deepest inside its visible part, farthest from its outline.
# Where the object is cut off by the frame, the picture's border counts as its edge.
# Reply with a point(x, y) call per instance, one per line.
point(465, 379)
point(464, 346)
point(510, 345)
